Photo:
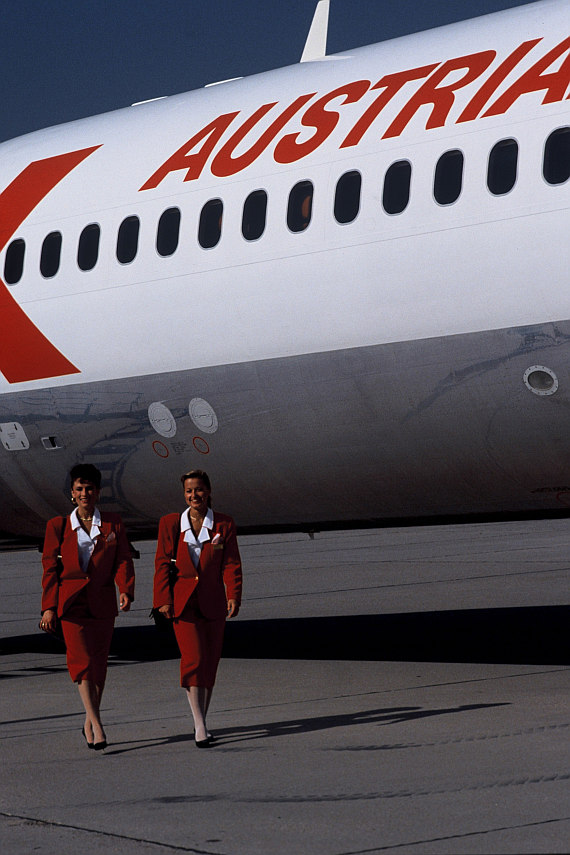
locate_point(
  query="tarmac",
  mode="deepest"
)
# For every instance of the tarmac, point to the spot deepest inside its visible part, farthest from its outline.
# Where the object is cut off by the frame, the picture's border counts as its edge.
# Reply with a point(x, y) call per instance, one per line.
point(384, 690)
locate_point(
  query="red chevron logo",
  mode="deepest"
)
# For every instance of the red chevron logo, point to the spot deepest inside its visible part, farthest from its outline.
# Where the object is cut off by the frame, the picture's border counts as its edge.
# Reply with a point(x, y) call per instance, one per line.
point(25, 352)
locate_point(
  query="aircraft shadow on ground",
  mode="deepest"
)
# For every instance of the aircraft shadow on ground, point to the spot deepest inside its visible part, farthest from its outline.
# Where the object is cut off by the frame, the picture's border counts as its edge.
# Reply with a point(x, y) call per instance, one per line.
point(537, 635)
point(533, 635)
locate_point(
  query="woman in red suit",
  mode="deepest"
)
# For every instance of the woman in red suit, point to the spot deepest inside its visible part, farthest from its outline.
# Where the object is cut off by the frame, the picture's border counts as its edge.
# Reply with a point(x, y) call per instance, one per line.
point(85, 555)
point(206, 590)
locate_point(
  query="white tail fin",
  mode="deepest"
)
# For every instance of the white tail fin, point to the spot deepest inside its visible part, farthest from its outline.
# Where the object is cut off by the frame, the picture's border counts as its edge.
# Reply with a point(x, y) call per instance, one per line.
point(316, 44)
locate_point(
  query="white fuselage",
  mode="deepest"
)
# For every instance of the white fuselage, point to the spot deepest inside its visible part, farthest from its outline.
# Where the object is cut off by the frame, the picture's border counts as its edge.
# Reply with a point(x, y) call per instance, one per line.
point(395, 365)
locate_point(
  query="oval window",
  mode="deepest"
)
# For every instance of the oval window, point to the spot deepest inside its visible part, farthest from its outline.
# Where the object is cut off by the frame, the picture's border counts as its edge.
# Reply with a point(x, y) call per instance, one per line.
point(210, 228)
point(50, 255)
point(300, 206)
point(347, 197)
point(502, 167)
point(448, 177)
point(396, 193)
point(14, 261)
point(556, 167)
point(88, 247)
point(254, 215)
point(128, 240)
point(168, 232)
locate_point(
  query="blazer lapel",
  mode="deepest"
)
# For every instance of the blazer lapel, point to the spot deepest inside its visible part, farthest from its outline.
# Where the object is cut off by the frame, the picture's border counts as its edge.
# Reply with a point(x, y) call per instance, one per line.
point(100, 540)
point(183, 559)
point(207, 547)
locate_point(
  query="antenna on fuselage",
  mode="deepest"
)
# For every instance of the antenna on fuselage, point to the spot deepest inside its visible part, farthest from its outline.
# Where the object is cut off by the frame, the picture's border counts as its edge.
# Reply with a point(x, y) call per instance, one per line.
point(316, 44)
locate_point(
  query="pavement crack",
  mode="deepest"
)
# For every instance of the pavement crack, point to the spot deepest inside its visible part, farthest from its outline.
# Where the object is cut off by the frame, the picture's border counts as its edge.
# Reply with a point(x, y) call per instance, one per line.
point(108, 834)
point(463, 836)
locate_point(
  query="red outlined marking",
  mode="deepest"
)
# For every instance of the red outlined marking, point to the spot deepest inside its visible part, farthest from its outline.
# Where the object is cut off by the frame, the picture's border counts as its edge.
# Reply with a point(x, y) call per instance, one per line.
point(159, 448)
point(201, 445)
point(25, 352)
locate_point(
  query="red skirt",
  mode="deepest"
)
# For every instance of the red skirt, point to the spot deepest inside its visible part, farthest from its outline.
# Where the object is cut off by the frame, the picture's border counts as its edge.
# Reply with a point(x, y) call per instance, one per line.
point(88, 641)
point(200, 642)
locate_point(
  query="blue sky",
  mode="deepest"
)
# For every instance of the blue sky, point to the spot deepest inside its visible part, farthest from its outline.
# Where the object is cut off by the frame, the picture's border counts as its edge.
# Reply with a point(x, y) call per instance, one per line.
point(66, 59)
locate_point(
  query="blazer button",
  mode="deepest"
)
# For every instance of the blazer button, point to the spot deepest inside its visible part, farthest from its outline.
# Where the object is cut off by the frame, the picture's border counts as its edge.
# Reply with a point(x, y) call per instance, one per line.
point(196, 578)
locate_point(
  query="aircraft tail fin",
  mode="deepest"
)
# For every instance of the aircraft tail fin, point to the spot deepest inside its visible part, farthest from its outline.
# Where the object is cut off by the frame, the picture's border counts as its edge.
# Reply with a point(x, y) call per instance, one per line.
point(316, 44)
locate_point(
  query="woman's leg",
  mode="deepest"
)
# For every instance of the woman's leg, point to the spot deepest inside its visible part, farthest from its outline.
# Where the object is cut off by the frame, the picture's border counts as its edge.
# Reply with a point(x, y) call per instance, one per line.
point(88, 642)
point(208, 699)
point(211, 634)
point(190, 644)
point(90, 694)
point(200, 643)
point(197, 698)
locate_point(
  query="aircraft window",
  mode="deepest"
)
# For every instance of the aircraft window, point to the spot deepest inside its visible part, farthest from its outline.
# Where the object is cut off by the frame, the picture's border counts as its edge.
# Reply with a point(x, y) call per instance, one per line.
point(502, 167)
point(556, 167)
point(210, 228)
point(448, 177)
point(168, 232)
point(50, 255)
point(88, 247)
point(254, 215)
point(300, 207)
point(14, 261)
point(128, 240)
point(347, 197)
point(396, 193)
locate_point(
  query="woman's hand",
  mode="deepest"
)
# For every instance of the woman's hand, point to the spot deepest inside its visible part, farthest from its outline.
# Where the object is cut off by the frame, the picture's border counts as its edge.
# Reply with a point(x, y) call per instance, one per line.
point(167, 611)
point(233, 608)
point(124, 602)
point(48, 620)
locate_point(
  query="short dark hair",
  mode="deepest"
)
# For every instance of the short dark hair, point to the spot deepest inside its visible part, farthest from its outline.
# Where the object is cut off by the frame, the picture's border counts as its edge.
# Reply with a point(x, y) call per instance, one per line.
point(85, 472)
point(196, 473)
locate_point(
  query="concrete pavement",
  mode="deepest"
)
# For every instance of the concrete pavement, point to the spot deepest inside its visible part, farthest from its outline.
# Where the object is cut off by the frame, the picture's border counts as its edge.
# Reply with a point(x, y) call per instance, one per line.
point(338, 732)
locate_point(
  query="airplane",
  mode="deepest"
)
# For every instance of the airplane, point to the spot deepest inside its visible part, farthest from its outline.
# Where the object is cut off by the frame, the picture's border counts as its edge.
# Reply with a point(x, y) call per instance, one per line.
point(340, 287)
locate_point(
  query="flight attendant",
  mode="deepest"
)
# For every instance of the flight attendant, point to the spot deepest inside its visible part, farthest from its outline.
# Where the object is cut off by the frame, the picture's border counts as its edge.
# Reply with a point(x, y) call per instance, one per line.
point(206, 589)
point(85, 555)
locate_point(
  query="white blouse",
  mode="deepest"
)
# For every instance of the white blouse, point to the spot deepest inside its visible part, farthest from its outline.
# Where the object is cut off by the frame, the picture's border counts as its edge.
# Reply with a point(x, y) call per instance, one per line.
point(85, 542)
point(195, 544)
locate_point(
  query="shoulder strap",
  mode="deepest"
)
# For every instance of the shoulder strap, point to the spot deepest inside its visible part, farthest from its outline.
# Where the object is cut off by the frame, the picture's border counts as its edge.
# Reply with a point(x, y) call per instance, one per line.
point(177, 538)
point(61, 533)
point(173, 569)
point(62, 530)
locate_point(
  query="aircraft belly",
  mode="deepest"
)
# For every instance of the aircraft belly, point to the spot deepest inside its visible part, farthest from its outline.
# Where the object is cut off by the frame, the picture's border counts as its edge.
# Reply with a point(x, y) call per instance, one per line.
point(413, 429)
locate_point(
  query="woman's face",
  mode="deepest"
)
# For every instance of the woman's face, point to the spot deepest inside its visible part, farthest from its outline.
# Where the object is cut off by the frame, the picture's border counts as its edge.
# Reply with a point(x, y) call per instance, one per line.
point(196, 495)
point(86, 496)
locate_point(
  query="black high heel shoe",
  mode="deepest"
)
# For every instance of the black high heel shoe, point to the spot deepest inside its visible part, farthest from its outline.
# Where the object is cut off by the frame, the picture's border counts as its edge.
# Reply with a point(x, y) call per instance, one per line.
point(89, 744)
point(203, 743)
point(99, 746)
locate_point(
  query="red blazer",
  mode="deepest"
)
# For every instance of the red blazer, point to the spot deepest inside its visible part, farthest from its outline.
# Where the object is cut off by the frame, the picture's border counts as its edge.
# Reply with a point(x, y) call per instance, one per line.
point(218, 577)
point(110, 564)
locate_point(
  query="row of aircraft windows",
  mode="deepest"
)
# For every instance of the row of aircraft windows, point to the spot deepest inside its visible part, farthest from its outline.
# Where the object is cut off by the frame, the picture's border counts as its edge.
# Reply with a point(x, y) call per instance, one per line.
point(448, 180)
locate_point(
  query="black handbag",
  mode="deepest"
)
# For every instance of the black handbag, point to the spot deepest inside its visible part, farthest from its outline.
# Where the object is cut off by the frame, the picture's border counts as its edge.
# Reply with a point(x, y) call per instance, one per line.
point(160, 620)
